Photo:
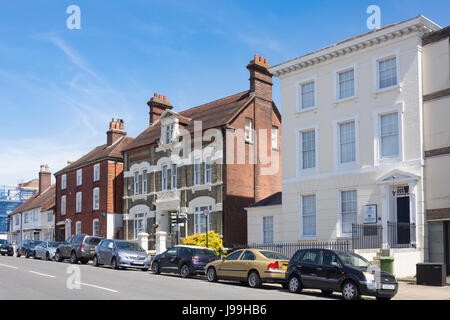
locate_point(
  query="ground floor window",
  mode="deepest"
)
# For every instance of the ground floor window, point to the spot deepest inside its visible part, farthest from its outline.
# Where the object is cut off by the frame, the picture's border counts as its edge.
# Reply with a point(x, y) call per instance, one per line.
point(309, 215)
point(267, 230)
point(348, 211)
point(200, 219)
point(140, 224)
point(95, 229)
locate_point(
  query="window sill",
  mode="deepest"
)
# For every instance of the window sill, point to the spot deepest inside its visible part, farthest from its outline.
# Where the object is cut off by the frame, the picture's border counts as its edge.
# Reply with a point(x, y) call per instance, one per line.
point(309, 109)
point(344, 100)
point(311, 238)
point(397, 87)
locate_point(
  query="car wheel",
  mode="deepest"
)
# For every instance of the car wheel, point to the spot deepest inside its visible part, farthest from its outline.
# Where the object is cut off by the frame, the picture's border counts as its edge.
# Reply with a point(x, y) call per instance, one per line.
point(155, 268)
point(73, 258)
point(350, 291)
point(211, 275)
point(114, 264)
point(34, 255)
point(95, 261)
point(185, 272)
point(17, 254)
point(27, 255)
point(254, 281)
point(327, 292)
point(58, 257)
point(295, 285)
point(47, 256)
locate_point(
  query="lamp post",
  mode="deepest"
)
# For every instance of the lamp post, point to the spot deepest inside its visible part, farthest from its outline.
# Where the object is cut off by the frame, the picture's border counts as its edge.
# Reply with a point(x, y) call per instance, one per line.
point(206, 213)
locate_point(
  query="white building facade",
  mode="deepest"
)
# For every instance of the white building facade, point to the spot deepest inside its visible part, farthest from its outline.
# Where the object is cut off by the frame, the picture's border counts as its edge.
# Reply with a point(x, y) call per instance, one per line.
point(353, 118)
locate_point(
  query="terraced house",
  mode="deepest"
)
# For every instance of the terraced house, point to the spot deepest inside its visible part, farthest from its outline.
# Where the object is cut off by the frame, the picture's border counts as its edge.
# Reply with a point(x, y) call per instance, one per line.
point(220, 177)
point(89, 190)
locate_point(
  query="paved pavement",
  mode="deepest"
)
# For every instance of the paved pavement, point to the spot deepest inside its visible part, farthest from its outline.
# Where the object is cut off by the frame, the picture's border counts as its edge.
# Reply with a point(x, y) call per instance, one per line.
point(408, 290)
point(22, 278)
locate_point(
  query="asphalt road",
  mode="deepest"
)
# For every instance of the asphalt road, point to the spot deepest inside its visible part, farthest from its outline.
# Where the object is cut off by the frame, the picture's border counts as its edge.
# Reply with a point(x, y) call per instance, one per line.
point(22, 278)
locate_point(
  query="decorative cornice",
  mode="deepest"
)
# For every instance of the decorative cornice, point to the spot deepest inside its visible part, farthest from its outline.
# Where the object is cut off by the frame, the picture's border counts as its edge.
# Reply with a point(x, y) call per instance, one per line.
point(419, 25)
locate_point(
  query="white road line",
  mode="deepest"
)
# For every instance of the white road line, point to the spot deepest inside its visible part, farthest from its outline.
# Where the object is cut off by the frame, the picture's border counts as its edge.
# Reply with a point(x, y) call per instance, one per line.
point(42, 274)
point(98, 287)
point(5, 265)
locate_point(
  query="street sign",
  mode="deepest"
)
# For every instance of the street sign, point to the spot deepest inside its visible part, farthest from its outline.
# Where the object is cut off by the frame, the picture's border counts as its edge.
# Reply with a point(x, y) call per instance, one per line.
point(206, 212)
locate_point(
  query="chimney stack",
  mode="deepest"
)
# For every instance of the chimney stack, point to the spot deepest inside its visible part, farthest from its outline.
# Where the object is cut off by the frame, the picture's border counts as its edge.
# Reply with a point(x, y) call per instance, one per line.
point(44, 178)
point(115, 131)
point(260, 78)
point(158, 104)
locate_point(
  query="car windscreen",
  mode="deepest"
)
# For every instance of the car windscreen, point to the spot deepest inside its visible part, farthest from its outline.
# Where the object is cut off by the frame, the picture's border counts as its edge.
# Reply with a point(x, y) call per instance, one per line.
point(132, 246)
point(92, 240)
point(352, 259)
point(34, 243)
point(204, 252)
point(3, 241)
point(53, 244)
point(274, 255)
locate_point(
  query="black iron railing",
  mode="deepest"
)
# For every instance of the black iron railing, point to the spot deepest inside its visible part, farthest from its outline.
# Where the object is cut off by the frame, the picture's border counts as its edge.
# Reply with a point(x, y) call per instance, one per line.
point(289, 248)
point(367, 236)
point(401, 234)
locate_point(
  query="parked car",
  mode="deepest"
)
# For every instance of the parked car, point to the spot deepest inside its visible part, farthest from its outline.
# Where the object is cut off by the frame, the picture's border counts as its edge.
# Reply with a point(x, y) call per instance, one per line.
point(184, 260)
point(6, 248)
point(252, 266)
point(77, 248)
point(121, 254)
point(331, 271)
point(45, 250)
point(26, 248)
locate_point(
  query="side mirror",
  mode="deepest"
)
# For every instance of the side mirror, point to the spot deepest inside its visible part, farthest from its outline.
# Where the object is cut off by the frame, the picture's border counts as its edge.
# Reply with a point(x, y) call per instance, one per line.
point(336, 264)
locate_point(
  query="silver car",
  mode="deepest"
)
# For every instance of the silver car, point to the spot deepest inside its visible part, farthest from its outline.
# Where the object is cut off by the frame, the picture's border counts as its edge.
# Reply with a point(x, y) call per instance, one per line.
point(121, 254)
point(45, 250)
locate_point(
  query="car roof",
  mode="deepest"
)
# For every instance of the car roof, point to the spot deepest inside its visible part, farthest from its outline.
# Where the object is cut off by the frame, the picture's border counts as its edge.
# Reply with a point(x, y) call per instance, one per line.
point(191, 246)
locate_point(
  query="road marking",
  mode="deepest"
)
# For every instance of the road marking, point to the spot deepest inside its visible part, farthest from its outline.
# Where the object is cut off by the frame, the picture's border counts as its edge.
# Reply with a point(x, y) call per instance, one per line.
point(5, 265)
point(42, 274)
point(98, 287)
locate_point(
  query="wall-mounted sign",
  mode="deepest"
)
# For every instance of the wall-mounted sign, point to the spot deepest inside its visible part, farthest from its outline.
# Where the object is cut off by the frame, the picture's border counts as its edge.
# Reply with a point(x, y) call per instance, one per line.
point(370, 213)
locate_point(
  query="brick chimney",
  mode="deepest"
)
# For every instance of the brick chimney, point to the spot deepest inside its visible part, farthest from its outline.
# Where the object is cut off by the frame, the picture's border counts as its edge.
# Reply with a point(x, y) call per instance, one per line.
point(115, 131)
point(260, 78)
point(44, 178)
point(158, 104)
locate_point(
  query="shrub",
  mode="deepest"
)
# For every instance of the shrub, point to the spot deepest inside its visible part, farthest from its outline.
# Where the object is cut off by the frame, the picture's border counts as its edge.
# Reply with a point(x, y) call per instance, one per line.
point(214, 241)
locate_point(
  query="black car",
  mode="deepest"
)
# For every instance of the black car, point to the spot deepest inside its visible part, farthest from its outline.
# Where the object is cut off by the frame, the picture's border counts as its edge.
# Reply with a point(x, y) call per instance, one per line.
point(6, 248)
point(184, 260)
point(77, 248)
point(331, 271)
point(26, 248)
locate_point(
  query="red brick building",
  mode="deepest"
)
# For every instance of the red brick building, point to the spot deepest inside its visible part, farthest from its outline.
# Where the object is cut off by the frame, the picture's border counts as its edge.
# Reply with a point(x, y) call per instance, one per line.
point(158, 187)
point(89, 190)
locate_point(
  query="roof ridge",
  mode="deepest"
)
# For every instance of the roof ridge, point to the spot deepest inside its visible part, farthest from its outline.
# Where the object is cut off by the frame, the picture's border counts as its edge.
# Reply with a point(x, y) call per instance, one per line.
point(205, 104)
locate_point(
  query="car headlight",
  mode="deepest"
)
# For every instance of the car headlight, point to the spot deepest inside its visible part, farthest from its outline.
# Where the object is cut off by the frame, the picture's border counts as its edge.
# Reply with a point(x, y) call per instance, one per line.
point(370, 277)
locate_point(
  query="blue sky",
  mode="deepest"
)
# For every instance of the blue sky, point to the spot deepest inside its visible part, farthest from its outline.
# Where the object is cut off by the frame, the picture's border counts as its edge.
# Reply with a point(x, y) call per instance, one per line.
point(59, 88)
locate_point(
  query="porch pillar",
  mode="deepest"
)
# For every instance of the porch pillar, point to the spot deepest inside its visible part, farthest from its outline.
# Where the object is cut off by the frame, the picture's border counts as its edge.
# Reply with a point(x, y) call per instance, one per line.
point(160, 245)
point(413, 211)
point(143, 240)
point(385, 214)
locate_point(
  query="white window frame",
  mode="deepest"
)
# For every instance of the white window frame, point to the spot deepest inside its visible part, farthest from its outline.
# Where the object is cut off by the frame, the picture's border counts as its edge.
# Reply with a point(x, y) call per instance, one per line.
point(263, 230)
point(198, 214)
point(274, 135)
point(144, 182)
point(78, 202)
point(96, 205)
point(341, 234)
point(63, 181)
point(96, 175)
point(299, 100)
point(78, 228)
point(63, 205)
point(168, 133)
point(299, 150)
point(79, 177)
point(378, 159)
point(173, 176)
point(376, 74)
point(337, 141)
point(137, 217)
point(197, 172)
point(94, 222)
point(301, 235)
point(248, 130)
point(337, 97)
point(208, 172)
point(164, 182)
point(136, 183)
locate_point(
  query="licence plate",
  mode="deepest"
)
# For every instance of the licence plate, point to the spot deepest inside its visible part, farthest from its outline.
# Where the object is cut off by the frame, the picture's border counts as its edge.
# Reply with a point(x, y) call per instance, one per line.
point(388, 286)
point(138, 262)
point(92, 251)
point(3, 250)
point(285, 267)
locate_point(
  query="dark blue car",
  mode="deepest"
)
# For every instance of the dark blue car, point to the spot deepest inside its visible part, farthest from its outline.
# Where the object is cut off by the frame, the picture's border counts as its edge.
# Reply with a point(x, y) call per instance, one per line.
point(184, 260)
point(26, 248)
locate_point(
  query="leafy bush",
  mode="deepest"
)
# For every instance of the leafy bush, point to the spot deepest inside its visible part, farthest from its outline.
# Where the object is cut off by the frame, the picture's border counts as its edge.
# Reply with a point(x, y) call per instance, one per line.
point(214, 241)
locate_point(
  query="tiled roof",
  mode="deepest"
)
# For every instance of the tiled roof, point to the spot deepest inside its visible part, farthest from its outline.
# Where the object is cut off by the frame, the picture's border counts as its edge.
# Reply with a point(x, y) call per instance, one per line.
point(274, 199)
point(44, 200)
point(212, 115)
point(99, 153)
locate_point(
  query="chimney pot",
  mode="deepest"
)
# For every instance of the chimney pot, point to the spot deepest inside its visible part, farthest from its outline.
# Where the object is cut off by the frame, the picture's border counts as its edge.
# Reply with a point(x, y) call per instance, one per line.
point(260, 59)
point(255, 57)
point(265, 61)
point(160, 96)
point(165, 98)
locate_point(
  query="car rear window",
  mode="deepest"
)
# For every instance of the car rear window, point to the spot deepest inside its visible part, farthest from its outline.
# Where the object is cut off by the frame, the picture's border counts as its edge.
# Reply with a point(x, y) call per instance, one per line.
point(35, 242)
point(204, 252)
point(92, 240)
point(274, 255)
point(3, 241)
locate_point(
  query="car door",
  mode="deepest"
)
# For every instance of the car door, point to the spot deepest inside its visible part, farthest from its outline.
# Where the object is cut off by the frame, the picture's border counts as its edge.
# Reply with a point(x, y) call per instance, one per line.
point(309, 268)
point(108, 252)
point(244, 264)
point(65, 248)
point(328, 270)
point(169, 261)
point(229, 268)
point(40, 249)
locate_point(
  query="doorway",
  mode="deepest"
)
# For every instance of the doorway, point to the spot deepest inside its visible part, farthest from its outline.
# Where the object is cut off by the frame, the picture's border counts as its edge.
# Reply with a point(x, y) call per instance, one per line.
point(447, 245)
point(403, 220)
